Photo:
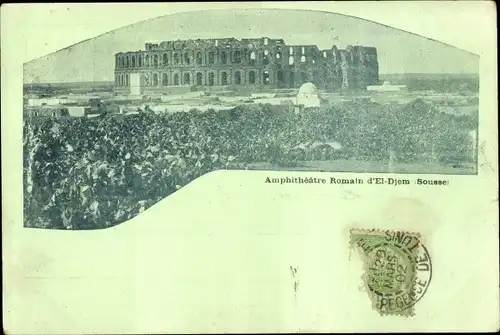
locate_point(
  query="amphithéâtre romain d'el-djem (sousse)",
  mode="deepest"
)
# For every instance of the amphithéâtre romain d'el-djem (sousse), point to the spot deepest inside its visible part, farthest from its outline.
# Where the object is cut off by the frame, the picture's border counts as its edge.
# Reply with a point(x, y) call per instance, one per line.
point(248, 63)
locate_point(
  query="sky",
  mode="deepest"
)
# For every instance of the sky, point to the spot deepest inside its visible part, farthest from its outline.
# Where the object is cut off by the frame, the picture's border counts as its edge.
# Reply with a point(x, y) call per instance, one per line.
point(398, 51)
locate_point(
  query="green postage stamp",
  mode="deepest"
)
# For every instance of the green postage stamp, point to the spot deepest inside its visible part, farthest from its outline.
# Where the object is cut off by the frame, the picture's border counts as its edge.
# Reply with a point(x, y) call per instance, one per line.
point(397, 267)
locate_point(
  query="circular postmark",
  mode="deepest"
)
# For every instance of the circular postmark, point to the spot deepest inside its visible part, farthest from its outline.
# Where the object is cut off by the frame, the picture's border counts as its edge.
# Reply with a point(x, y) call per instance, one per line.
point(398, 270)
point(398, 278)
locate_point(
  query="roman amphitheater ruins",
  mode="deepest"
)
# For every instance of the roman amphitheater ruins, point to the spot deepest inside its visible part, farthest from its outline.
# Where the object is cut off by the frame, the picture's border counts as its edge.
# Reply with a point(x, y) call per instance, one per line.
point(257, 63)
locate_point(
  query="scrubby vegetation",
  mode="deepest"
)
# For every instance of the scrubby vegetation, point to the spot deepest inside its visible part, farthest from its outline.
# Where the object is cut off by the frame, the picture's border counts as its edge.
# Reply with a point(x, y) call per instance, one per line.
point(94, 173)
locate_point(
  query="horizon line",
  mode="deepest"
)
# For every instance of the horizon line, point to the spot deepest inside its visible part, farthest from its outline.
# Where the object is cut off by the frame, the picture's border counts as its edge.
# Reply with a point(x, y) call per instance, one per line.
point(380, 74)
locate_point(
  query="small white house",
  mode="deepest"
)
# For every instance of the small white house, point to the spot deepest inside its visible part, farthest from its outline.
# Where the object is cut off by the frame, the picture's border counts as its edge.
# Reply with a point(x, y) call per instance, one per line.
point(37, 102)
point(386, 87)
point(78, 111)
point(46, 111)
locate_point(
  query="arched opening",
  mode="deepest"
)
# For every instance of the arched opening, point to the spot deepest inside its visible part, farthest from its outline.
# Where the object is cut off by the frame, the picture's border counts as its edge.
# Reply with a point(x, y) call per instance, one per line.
point(133, 61)
point(290, 51)
point(223, 57)
point(155, 79)
point(176, 79)
point(187, 79)
point(165, 59)
point(303, 77)
point(292, 80)
point(265, 77)
point(126, 61)
point(147, 60)
point(278, 55)
point(187, 60)
point(290, 60)
point(155, 61)
point(176, 59)
point(280, 79)
point(199, 58)
point(139, 60)
point(223, 78)
point(252, 58)
point(126, 79)
point(211, 79)
point(316, 78)
point(237, 78)
point(211, 57)
point(303, 59)
point(164, 80)
point(146, 79)
point(328, 81)
point(199, 79)
point(251, 77)
point(237, 57)
point(265, 57)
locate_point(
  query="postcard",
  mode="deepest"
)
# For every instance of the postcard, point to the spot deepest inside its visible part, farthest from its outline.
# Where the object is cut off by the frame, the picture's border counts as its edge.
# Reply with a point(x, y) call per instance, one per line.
point(250, 167)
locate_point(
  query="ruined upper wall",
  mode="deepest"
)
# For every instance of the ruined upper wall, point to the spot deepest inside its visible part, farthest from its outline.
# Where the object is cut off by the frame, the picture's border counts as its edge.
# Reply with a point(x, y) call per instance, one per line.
point(214, 43)
point(277, 47)
point(249, 43)
point(352, 67)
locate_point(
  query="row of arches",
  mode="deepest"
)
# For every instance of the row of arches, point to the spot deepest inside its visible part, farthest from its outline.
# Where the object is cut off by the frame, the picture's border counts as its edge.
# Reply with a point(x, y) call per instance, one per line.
point(207, 58)
point(186, 58)
point(283, 78)
point(198, 79)
point(122, 79)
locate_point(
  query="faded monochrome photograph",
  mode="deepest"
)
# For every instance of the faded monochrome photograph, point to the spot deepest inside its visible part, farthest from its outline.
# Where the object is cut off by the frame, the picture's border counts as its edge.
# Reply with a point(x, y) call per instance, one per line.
point(260, 167)
point(114, 124)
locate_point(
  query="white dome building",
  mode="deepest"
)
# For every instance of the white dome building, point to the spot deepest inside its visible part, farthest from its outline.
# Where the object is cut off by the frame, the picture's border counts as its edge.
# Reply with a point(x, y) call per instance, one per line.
point(308, 96)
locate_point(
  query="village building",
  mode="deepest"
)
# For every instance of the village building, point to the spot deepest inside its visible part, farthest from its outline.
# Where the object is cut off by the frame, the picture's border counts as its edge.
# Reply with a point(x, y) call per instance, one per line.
point(386, 87)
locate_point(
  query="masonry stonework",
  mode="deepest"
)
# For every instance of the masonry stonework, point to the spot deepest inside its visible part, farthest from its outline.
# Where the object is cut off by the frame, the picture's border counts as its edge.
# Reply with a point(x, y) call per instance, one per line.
point(252, 63)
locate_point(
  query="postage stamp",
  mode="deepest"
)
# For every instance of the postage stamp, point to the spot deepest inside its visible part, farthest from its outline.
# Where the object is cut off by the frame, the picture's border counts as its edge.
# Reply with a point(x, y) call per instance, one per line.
point(398, 269)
